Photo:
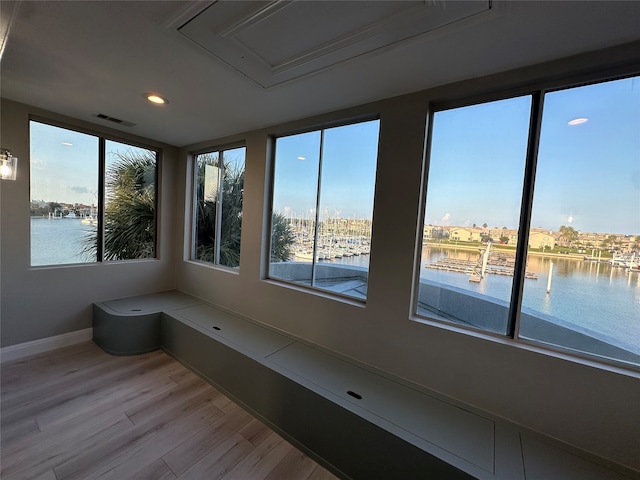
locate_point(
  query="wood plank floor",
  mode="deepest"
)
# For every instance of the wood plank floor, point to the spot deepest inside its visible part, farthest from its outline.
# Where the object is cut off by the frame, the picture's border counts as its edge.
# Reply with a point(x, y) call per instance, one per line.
point(79, 413)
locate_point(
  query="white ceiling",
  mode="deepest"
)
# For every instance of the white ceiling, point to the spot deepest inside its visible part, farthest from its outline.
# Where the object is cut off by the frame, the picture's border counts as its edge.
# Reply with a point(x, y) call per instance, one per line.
point(81, 58)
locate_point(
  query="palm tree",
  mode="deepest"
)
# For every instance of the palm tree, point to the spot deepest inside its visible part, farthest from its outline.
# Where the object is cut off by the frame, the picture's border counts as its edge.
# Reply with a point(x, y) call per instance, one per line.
point(231, 222)
point(130, 213)
point(569, 234)
point(282, 238)
point(231, 218)
point(609, 242)
point(130, 208)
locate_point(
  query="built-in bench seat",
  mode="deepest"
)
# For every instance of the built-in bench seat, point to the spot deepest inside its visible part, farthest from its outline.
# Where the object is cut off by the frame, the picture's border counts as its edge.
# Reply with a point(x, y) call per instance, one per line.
point(131, 326)
point(358, 422)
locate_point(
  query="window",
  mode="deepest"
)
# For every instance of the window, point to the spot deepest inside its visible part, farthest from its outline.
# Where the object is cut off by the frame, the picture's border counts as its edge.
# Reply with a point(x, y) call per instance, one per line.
point(81, 216)
point(476, 169)
point(219, 187)
point(322, 208)
point(587, 193)
point(535, 234)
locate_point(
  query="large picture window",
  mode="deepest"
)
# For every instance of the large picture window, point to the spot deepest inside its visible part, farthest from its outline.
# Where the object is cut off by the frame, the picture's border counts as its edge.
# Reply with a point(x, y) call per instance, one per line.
point(532, 219)
point(322, 208)
point(587, 201)
point(92, 199)
point(219, 188)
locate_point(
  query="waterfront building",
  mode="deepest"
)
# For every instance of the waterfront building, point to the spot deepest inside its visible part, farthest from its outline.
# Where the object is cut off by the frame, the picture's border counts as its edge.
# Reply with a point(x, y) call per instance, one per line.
point(466, 234)
point(540, 239)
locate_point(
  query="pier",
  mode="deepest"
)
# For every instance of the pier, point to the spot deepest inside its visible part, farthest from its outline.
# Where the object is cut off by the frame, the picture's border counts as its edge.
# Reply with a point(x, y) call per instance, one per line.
point(494, 263)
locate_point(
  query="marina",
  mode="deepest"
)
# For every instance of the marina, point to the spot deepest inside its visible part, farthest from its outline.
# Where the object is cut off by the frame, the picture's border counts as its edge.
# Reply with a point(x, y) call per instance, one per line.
point(598, 298)
point(488, 262)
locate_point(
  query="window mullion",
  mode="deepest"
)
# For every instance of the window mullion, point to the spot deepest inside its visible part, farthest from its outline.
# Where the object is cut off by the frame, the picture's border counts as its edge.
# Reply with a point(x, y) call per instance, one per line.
point(102, 162)
point(525, 214)
point(195, 206)
point(218, 226)
point(314, 250)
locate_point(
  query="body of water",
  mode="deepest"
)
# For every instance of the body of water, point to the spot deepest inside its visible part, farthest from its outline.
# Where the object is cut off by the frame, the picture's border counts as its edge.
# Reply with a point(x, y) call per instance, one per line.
point(594, 297)
point(591, 297)
point(60, 241)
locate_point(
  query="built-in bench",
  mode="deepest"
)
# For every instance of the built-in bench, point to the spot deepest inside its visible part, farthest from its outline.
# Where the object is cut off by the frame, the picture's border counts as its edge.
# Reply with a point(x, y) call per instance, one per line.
point(360, 423)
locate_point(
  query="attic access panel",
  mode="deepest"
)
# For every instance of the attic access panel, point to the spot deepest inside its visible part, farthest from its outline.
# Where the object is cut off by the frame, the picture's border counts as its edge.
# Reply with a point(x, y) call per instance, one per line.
point(277, 41)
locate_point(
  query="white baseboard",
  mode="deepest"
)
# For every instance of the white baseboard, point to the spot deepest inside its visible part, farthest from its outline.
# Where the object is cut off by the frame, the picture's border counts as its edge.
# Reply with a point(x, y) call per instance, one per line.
point(22, 350)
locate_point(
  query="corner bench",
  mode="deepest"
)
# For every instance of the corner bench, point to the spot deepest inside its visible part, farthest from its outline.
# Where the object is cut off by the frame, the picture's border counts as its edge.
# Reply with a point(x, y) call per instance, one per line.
point(357, 422)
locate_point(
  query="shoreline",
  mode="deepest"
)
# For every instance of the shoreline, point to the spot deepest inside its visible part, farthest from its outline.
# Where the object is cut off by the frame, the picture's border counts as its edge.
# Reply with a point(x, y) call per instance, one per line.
point(472, 248)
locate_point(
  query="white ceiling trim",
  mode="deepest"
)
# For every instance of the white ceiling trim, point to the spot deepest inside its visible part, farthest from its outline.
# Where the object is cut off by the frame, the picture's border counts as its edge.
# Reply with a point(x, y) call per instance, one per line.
point(280, 41)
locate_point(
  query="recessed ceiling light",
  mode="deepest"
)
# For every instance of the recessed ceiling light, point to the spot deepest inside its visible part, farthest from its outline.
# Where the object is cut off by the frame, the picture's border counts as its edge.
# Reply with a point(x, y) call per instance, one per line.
point(154, 98)
point(578, 121)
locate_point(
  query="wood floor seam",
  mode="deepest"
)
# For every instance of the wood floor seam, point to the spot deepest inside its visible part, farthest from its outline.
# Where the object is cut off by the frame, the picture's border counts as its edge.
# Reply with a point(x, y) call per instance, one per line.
point(78, 413)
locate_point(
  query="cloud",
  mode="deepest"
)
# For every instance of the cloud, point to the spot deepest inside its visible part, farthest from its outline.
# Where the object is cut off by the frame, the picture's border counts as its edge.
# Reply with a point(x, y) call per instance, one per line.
point(38, 164)
point(79, 189)
point(446, 218)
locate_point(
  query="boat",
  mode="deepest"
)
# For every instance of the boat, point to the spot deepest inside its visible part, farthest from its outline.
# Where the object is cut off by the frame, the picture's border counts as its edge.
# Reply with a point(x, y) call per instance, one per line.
point(626, 260)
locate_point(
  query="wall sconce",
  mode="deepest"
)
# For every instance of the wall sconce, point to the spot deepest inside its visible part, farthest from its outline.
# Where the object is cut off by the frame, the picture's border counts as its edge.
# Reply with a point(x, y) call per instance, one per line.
point(8, 165)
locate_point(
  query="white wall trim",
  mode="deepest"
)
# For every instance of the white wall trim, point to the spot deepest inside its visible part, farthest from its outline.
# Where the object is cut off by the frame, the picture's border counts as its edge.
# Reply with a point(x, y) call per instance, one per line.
point(22, 350)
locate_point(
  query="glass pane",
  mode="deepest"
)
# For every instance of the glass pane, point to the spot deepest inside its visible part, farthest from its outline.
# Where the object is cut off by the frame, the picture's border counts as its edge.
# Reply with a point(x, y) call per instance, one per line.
point(349, 158)
point(295, 190)
point(64, 195)
point(475, 177)
point(328, 248)
point(231, 219)
point(587, 206)
point(130, 202)
point(207, 184)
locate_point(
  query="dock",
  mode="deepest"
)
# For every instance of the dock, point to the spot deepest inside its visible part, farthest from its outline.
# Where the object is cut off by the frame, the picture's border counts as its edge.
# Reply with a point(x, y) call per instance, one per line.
point(497, 263)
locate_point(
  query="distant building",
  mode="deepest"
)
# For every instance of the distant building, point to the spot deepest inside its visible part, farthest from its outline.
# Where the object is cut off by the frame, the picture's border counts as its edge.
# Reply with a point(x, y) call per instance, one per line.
point(465, 234)
point(539, 239)
point(435, 232)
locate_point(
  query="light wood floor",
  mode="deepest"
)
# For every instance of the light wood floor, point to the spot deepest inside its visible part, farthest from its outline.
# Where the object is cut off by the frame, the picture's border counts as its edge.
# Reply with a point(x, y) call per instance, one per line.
point(78, 413)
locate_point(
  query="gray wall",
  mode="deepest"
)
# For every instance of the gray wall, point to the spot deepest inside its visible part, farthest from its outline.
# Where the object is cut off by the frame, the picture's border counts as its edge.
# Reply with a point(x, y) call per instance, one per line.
point(46, 301)
point(592, 406)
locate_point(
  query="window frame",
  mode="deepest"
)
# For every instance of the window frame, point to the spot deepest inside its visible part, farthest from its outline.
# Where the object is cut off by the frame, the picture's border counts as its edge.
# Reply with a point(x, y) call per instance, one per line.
point(270, 176)
point(537, 91)
point(103, 138)
point(193, 159)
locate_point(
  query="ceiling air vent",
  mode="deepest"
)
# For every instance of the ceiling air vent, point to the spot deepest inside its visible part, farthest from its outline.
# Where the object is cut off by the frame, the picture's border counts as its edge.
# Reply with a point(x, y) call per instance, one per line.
point(124, 123)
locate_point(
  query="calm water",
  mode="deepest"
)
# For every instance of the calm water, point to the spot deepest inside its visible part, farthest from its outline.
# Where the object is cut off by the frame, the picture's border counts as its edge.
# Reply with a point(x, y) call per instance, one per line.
point(593, 297)
point(59, 241)
point(590, 297)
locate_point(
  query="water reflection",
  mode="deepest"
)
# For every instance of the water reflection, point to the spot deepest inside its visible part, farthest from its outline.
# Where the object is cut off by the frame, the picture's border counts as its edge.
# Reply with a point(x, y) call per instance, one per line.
point(595, 298)
point(563, 266)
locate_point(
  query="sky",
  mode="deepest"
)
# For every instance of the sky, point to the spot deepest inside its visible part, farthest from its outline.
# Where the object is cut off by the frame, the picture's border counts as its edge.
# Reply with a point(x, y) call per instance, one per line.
point(64, 164)
point(347, 177)
point(588, 172)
